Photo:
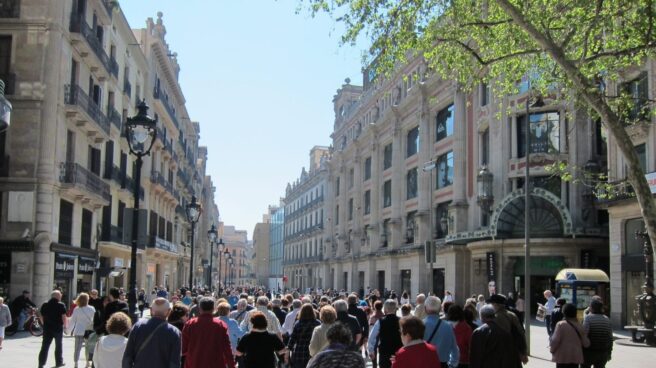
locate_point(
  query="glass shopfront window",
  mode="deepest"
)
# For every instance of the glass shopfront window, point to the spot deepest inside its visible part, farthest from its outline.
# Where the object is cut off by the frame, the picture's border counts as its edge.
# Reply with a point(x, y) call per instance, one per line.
point(544, 133)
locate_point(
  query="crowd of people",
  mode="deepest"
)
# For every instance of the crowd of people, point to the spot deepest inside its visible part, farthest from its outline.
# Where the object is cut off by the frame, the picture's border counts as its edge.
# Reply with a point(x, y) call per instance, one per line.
point(250, 328)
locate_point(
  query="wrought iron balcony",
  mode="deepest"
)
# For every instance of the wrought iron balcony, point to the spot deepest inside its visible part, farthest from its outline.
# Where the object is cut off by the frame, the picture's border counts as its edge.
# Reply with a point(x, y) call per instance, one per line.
point(75, 176)
point(157, 95)
point(10, 8)
point(79, 26)
point(75, 96)
point(161, 244)
point(127, 87)
point(115, 118)
point(614, 191)
point(157, 178)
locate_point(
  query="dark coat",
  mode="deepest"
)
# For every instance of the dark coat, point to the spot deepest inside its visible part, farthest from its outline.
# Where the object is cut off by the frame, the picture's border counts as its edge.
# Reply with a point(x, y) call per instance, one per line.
point(492, 347)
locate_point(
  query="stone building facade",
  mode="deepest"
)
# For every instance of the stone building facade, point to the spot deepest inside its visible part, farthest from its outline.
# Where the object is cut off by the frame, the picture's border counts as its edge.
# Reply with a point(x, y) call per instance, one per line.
point(76, 71)
point(261, 249)
point(276, 247)
point(238, 246)
point(407, 153)
point(304, 223)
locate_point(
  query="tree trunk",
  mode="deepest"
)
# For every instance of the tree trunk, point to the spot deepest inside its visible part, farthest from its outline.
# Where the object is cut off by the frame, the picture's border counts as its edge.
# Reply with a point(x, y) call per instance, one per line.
point(592, 96)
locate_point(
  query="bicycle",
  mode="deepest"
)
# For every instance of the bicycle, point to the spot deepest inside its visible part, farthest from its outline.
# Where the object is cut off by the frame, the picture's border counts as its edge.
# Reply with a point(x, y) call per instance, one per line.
point(32, 324)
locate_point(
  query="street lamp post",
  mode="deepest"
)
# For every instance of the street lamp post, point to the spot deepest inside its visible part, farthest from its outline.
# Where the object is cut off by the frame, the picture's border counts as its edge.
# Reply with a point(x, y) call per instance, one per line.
point(220, 247)
point(138, 130)
point(211, 235)
point(194, 209)
point(225, 273)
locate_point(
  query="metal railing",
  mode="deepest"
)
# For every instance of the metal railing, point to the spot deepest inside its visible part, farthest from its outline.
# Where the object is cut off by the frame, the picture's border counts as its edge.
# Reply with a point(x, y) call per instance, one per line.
point(115, 118)
point(74, 95)
point(74, 173)
point(127, 87)
point(162, 244)
point(79, 25)
point(615, 191)
point(157, 178)
point(158, 96)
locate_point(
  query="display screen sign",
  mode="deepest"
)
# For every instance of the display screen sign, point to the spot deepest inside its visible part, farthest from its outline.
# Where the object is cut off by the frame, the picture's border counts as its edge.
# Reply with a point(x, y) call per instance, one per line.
point(85, 266)
point(64, 265)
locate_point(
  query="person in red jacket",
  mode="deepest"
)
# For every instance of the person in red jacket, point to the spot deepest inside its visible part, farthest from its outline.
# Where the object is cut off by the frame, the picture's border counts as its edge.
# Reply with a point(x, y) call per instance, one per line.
point(205, 341)
point(415, 351)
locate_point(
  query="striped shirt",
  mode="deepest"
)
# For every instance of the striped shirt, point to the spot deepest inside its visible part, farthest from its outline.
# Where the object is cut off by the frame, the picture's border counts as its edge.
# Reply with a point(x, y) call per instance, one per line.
point(600, 332)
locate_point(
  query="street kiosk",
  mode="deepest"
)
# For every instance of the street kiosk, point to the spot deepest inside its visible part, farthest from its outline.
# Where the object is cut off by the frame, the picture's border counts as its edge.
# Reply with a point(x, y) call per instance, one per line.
point(579, 285)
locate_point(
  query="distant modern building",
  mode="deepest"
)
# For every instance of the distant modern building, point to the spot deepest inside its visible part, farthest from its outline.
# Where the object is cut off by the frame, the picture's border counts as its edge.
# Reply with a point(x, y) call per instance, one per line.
point(261, 248)
point(304, 223)
point(276, 247)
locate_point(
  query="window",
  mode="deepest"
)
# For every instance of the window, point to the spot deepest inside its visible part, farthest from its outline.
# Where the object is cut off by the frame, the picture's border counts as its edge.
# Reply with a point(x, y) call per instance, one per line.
point(65, 222)
point(350, 209)
point(410, 226)
point(87, 220)
point(444, 127)
point(337, 187)
point(544, 133)
point(641, 151)
point(337, 215)
point(70, 146)
point(387, 157)
point(485, 94)
point(153, 224)
point(387, 194)
point(601, 140)
point(367, 202)
point(109, 159)
point(445, 170)
point(367, 168)
point(632, 245)
point(412, 142)
point(550, 183)
point(121, 209)
point(351, 178)
point(637, 91)
point(387, 232)
point(441, 212)
point(94, 160)
point(411, 183)
point(485, 147)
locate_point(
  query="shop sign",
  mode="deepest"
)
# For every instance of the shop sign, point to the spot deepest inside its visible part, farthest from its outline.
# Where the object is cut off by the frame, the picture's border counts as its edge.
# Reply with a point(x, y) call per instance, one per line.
point(64, 266)
point(85, 266)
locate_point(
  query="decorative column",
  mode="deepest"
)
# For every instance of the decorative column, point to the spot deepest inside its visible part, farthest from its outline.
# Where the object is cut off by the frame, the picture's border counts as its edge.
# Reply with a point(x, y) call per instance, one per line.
point(458, 209)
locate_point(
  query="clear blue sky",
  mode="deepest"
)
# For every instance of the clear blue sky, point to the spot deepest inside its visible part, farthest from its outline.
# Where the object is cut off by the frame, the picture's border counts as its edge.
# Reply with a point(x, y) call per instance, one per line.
point(260, 80)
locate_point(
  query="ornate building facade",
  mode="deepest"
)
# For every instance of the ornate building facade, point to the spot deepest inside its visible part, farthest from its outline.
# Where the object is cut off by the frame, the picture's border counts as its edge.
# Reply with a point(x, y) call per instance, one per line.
point(75, 72)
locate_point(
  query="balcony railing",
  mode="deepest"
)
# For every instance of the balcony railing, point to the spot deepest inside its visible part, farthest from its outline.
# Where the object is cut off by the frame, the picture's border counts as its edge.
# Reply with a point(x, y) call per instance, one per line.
point(127, 87)
point(158, 96)
point(114, 234)
point(79, 25)
point(615, 191)
point(74, 173)
point(159, 179)
point(115, 118)
point(74, 95)
point(10, 8)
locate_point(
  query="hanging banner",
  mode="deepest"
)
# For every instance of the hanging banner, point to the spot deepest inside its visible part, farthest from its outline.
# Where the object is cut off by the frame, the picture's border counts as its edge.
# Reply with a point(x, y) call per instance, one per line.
point(491, 260)
point(85, 266)
point(64, 266)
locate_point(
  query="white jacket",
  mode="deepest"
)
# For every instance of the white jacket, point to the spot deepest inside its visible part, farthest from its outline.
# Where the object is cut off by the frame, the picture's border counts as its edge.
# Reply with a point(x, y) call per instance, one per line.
point(81, 320)
point(109, 351)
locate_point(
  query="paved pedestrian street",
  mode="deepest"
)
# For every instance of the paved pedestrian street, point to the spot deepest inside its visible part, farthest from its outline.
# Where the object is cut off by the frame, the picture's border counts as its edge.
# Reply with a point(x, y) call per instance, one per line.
point(21, 350)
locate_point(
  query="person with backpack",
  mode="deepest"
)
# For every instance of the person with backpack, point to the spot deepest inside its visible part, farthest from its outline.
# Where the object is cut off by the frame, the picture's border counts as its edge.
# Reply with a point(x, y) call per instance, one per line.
point(385, 335)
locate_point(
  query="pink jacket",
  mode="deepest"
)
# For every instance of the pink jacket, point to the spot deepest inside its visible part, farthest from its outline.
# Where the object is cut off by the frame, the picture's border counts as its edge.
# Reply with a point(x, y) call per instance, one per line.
point(566, 345)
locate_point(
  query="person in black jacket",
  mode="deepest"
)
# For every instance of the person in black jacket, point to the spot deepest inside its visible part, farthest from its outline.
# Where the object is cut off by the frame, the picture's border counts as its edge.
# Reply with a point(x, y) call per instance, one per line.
point(491, 346)
point(386, 335)
point(114, 305)
point(360, 315)
point(349, 321)
point(53, 316)
point(557, 314)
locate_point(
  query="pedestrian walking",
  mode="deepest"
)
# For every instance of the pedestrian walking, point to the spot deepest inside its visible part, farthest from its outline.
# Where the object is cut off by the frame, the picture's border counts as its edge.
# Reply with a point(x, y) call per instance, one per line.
point(273, 325)
point(420, 310)
point(141, 301)
point(277, 310)
point(114, 305)
point(568, 340)
point(491, 346)
point(341, 307)
point(82, 322)
point(338, 354)
point(240, 314)
point(440, 334)
point(290, 319)
point(549, 308)
point(19, 308)
point(234, 331)
point(319, 341)
point(509, 322)
point(360, 315)
point(520, 306)
point(385, 336)
point(205, 340)
point(557, 313)
point(109, 350)
point(179, 315)
point(600, 333)
point(259, 346)
point(53, 318)
point(299, 341)
point(5, 319)
point(463, 332)
point(153, 342)
point(405, 298)
point(415, 351)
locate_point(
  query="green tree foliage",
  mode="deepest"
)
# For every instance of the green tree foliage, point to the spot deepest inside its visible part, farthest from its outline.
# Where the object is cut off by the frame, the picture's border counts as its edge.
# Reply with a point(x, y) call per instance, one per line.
point(573, 49)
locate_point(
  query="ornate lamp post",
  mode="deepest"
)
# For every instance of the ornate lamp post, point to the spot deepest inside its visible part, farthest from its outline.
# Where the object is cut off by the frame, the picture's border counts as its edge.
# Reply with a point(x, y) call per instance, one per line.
point(225, 273)
point(194, 209)
point(211, 235)
point(140, 132)
point(230, 274)
point(220, 247)
point(647, 300)
point(485, 198)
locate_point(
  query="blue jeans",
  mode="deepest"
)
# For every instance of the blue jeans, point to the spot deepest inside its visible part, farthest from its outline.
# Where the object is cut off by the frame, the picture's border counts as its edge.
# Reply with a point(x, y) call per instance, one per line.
point(22, 318)
point(547, 321)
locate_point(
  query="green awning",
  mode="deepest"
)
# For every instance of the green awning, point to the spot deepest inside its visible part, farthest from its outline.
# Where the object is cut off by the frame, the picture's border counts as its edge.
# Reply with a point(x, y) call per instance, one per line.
point(540, 266)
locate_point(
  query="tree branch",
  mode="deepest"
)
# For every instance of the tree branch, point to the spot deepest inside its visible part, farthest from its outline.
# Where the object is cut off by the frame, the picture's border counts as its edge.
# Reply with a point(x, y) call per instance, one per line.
point(622, 52)
point(480, 59)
